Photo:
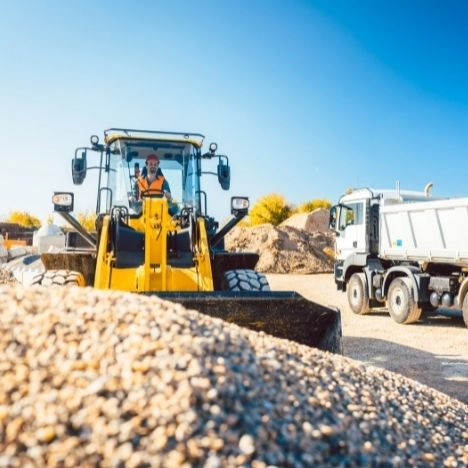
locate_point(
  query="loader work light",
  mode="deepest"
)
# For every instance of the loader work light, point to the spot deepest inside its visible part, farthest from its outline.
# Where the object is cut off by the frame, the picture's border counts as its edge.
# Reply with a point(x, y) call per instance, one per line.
point(63, 201)
point(213, 148)
point(239, 205)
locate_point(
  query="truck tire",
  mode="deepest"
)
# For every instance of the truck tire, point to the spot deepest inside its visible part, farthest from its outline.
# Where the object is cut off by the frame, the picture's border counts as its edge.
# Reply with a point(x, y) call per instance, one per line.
point(358, 294)
point(244, 280)
point(400, 301)
point(60, 278)
point(465, 310)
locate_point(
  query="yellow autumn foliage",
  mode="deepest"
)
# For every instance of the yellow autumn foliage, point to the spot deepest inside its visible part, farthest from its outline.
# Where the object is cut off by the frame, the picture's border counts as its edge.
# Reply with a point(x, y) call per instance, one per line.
point(24, 218)
point(312, 205)
point(274, 209)
point(87, 220)
point(271, 208)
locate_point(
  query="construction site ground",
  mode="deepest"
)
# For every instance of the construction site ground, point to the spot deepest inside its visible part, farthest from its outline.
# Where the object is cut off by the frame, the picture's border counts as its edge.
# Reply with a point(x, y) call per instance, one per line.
point(433, 351)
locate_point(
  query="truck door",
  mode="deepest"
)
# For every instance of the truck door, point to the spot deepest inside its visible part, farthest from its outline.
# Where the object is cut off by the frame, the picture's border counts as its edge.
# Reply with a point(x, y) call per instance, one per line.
point(351, 229)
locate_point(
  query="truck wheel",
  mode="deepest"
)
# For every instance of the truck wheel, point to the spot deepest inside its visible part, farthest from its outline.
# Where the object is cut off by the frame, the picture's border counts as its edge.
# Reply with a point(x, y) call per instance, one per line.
point(60, 278)
point(465, 310)
point(244, 280)
point(400, 301)
point(358, 295)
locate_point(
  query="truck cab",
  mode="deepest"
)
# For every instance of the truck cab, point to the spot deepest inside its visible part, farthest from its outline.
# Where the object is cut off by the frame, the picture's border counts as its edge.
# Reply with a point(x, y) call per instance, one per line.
point(355, 220)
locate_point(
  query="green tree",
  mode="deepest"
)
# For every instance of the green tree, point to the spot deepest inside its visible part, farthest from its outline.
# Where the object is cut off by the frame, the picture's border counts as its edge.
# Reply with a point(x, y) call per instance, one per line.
point(24, 219)
point(271, 208)
point(312, 205)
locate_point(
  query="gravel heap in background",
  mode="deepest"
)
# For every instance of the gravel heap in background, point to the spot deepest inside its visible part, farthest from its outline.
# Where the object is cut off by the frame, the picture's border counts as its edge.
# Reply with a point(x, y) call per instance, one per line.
point(6, 277)
point(93, 378)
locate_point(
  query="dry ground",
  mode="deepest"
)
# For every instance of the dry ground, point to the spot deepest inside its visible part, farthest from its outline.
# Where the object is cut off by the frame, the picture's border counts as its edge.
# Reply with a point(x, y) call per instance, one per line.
point(433, 351)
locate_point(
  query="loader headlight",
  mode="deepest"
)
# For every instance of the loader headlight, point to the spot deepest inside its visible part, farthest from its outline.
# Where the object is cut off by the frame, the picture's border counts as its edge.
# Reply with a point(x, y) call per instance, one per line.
point(239, 205)
point(63, 201)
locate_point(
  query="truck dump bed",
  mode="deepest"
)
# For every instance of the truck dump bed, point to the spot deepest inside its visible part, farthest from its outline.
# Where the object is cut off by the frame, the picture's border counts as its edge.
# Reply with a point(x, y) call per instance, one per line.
point(429, 231)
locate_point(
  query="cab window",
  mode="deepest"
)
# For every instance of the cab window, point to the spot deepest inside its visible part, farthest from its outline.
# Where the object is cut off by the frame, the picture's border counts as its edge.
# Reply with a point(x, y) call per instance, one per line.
point(351, 214)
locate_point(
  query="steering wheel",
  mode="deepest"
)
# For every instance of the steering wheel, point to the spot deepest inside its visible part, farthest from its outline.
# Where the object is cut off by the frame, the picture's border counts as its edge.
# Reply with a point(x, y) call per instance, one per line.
point(152, 193)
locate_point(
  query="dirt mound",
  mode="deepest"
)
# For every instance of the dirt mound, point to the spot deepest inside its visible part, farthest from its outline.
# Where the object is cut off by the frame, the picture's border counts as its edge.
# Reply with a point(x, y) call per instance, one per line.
point(295, 246)
point(315, 221)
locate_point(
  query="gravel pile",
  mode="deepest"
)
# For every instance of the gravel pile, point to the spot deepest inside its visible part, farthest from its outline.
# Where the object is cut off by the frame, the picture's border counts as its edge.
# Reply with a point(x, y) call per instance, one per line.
point(6, 277)
point(93, 378)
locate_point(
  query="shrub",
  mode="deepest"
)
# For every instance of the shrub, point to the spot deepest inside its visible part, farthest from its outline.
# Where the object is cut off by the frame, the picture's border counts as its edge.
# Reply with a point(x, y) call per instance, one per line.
point(313, 205)
point(24, 219)
point(271, 209)
point(87, 220)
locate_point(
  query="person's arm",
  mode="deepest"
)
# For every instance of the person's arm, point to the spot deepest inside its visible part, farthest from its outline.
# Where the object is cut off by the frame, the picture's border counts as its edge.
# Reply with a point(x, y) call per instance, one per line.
point(166, 189)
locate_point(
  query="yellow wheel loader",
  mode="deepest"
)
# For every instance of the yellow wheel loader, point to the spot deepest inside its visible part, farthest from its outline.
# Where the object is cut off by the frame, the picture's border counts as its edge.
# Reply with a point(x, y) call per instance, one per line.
point(161, 241)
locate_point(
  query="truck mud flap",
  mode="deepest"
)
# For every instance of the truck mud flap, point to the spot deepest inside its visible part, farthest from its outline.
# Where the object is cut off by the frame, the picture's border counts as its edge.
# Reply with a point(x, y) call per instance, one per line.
point(282, 314)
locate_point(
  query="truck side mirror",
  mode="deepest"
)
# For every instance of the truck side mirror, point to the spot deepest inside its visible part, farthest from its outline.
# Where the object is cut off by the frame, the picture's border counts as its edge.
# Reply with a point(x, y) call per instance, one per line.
point(79, 169)
point(224, 174)
point(332, 221)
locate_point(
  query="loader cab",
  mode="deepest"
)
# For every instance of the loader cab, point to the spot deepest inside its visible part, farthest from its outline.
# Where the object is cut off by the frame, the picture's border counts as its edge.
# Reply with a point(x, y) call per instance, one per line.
point(123, 160)
point(177, 163)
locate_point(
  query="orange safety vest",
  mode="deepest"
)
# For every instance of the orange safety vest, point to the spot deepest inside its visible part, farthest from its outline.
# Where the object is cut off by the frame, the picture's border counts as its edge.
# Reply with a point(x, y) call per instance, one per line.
point(155, 187)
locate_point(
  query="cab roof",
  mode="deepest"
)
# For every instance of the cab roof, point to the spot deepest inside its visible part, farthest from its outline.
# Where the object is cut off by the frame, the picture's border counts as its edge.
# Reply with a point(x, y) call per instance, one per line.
point(112, 135)
point(387, 195)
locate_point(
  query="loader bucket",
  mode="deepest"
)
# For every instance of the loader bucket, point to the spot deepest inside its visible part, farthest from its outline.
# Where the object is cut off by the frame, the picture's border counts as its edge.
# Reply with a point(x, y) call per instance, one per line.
point(282, 314)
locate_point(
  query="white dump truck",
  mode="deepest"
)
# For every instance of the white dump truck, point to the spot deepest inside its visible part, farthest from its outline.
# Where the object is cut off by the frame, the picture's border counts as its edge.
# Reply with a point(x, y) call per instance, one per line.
point(403, 250)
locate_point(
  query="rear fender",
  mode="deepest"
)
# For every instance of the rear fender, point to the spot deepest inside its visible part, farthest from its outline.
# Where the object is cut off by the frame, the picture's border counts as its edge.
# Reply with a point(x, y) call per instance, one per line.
point(403, 271)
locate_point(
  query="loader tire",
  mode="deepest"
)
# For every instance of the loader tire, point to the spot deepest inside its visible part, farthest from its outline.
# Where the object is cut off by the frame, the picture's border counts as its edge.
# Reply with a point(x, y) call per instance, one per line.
point(244, 280)
point(358, 294)
point(400, 302)
point(60, 278)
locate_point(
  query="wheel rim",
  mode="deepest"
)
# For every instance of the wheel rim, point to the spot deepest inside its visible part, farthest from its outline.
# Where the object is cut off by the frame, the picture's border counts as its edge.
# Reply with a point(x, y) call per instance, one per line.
point(397, 302)
point(358, 299)
point(401, 302)
point(355, 295)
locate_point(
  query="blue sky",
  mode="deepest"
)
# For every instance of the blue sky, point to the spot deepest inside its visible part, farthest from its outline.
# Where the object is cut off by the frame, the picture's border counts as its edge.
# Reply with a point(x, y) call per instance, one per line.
point(307, 98)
